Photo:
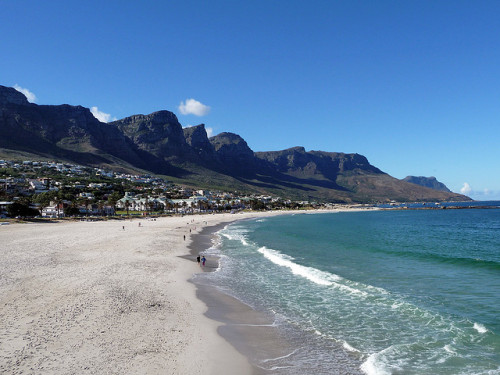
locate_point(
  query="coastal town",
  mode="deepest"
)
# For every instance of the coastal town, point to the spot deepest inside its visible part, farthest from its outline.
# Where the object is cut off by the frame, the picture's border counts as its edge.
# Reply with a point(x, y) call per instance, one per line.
point(49, 189)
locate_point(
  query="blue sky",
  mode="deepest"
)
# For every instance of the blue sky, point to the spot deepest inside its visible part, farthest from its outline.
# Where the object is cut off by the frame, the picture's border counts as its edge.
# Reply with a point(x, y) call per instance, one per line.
point(412, 85)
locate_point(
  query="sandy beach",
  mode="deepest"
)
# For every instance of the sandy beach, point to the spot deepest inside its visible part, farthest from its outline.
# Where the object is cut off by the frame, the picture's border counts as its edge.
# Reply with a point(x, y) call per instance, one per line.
point(109, 297)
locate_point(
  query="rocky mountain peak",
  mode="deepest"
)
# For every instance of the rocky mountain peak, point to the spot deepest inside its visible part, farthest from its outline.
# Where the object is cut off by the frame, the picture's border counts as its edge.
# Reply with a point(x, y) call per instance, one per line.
point(159, 133)
point(154, 119)
point(196, 136)
point(9, 95)
point(233, 152)
point(230, 143)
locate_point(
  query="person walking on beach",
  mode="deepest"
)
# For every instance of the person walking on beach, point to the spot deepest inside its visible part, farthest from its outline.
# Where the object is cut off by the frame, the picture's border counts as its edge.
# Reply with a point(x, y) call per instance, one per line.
point(198, 260)
point(203, 260)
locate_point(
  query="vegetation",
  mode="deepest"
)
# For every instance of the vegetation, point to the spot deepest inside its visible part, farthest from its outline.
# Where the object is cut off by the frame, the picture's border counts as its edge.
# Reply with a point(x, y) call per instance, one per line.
point(76, 190)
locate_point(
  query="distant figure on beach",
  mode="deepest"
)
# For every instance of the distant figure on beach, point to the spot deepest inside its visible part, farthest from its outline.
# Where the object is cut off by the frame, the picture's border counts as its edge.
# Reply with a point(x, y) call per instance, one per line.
point(123, 227)
point(139, 224)
point(198, 259)
point(203, 260)
point(184, 237)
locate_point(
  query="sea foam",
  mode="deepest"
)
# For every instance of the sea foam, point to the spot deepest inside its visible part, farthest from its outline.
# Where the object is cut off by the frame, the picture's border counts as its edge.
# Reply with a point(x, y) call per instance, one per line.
point(312, 274)
point(480, 328)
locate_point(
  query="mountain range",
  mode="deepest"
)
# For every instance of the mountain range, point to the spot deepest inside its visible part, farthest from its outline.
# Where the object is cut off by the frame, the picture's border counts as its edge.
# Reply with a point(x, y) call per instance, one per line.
point(157, 143)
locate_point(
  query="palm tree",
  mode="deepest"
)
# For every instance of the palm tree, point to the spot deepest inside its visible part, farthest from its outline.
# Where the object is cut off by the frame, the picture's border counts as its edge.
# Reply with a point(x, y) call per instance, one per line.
point(58, 206)
point(127, 205)
point(152, 205)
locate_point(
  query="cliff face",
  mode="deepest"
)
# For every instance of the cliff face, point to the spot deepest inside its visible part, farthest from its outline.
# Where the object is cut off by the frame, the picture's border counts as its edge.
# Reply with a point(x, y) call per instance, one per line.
point(159, 133)
point(233, 154)
point(65, 131)
point(158, 143)
point(196, 137)
point(297, 161)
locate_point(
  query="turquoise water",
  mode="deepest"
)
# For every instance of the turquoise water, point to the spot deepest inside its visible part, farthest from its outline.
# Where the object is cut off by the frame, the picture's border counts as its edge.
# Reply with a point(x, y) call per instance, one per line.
point(400, 292)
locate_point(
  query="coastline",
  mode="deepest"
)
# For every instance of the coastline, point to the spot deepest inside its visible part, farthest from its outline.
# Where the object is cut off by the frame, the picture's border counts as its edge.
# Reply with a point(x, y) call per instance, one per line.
point(253, 333)
point(114, 297)
point(250, 332)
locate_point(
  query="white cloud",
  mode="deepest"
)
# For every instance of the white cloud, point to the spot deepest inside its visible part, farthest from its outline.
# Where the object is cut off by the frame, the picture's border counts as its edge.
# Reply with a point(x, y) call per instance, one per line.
point(101, 116)
point(193, 107)
point(29, 95)
point(466, 189)
point(485, 195)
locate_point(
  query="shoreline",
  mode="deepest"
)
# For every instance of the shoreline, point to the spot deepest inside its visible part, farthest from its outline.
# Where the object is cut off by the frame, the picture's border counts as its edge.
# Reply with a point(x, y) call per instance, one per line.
point(115, 297)
point(250, 332)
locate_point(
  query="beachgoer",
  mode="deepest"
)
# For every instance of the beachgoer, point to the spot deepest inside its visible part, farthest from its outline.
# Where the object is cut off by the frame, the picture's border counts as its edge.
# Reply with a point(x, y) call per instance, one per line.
point(184, 237)
point(123, 227)
point(203, 260)
point(198, 259)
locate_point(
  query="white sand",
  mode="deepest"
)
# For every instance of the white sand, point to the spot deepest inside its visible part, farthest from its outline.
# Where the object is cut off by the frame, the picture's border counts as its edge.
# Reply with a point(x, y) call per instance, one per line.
point(90, 297)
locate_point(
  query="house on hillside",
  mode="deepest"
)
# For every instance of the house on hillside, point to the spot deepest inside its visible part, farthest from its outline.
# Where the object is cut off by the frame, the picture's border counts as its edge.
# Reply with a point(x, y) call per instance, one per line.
point(54, 210)
point(127, 202)
point(86, 195)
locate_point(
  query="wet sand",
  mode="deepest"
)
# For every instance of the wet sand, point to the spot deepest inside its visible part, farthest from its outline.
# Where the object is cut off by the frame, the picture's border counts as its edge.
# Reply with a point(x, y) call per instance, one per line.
point(251, 332)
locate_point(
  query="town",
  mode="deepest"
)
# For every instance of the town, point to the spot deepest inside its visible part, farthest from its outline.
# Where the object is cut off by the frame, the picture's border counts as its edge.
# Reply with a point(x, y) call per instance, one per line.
point(46, 189)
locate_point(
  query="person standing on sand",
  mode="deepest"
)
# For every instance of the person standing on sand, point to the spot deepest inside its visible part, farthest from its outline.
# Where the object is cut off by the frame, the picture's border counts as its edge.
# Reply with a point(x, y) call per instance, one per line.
point(198, 260)
point(203, 260)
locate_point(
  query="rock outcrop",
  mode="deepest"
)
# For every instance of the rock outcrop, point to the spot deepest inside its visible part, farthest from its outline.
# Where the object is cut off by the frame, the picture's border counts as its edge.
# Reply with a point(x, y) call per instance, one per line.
point(233, 153)
point(158, 133)
point(197, 138)
point(9, 95)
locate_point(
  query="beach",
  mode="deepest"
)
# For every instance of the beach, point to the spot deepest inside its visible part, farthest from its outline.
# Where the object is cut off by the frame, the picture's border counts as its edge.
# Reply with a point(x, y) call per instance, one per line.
point(110, 297)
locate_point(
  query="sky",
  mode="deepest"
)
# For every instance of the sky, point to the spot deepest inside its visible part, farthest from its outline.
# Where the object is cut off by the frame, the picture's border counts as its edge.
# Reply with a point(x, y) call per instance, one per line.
point(412, 85)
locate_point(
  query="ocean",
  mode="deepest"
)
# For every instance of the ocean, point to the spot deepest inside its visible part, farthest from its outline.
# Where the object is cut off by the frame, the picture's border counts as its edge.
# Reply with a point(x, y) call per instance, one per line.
point(375, 292)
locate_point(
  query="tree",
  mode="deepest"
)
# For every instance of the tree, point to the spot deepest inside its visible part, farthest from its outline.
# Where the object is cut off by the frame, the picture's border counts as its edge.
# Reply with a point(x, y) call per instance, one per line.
point(152, 205)
point(127, 206)
point(22, 210)
point(71, 211)
point(45, 198)
point(113, 198)
point(257, 205)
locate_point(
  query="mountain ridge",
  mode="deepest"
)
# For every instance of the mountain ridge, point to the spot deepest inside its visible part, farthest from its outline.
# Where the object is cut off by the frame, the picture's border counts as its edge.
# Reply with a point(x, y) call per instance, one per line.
point(159, 144)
